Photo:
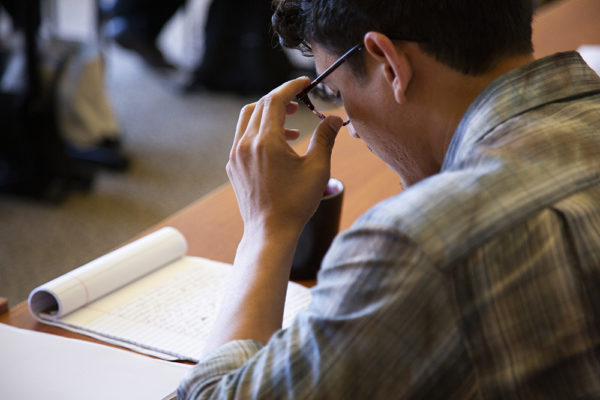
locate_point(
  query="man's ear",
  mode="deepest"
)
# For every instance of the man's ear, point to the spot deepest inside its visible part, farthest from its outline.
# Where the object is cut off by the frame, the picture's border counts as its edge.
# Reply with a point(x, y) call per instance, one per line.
point(394, 63)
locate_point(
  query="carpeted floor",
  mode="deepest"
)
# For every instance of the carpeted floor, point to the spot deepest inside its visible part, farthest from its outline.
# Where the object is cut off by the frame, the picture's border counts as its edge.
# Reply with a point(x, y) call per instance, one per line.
point(178, 147)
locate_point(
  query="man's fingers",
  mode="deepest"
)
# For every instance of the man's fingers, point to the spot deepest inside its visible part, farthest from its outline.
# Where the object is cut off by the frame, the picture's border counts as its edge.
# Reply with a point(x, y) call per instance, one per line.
point(290, 89)
point(278, 103)
point(292, 134)
point(291, 108)
point(322, 141)
point(269, 113)
point(242, 124)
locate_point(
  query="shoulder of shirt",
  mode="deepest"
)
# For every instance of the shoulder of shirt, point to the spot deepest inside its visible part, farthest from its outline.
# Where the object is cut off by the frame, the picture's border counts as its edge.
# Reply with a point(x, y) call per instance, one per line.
point(508, 176)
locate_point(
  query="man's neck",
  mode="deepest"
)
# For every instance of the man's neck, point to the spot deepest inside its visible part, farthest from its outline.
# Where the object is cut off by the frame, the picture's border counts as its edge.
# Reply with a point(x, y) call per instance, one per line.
point(443, 96)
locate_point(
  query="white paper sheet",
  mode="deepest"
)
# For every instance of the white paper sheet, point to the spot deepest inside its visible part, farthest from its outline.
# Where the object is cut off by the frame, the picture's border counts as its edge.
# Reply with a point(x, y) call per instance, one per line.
point(591, 54)
point(103, 275)
point(36, 365)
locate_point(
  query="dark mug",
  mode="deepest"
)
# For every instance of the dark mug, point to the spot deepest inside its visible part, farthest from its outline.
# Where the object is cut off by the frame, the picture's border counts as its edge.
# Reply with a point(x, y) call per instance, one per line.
point(318, 233)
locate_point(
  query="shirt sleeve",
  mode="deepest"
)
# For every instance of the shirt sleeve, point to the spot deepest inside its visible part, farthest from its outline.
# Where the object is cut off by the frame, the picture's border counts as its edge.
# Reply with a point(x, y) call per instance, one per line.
point(379, 326)
point(215, 365)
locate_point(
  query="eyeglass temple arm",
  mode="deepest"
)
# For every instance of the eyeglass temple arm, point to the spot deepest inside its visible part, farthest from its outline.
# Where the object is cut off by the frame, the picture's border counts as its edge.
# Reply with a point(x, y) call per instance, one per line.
point(329, 70)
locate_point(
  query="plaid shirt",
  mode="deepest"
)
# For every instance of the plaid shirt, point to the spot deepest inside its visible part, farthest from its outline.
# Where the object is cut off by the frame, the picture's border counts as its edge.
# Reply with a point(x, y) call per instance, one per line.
point(480, 282)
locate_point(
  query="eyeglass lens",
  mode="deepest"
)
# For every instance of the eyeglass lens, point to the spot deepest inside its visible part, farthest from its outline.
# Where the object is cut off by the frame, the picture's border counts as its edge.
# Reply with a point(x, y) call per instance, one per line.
point(303, 95)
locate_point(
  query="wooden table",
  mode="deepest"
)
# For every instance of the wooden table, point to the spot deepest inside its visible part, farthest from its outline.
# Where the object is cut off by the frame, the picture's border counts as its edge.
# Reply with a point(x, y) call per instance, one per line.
point(566, 25)
point(213, 227)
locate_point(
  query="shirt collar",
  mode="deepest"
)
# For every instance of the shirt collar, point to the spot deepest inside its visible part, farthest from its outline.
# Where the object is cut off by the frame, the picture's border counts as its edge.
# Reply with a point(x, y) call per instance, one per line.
point(550, 79)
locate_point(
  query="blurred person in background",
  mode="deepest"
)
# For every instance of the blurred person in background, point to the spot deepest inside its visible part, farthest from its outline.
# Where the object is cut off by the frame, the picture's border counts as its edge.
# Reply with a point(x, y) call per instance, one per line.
point(240, 53)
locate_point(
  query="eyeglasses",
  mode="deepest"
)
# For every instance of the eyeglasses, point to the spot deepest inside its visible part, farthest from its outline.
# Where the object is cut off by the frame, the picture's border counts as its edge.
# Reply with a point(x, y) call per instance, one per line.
point(303, 95)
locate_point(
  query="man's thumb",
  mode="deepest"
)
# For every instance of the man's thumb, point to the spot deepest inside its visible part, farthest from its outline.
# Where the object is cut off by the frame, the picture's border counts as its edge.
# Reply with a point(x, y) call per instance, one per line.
point(324, 138)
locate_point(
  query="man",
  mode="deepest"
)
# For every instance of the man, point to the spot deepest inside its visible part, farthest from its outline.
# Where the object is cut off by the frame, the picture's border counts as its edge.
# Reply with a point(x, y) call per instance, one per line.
point(482, 278)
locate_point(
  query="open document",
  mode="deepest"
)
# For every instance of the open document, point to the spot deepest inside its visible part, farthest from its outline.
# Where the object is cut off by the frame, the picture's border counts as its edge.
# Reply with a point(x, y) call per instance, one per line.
point(146, 296)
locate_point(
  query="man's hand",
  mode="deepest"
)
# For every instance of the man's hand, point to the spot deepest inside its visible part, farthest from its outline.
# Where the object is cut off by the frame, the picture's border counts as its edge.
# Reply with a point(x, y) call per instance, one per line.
point(276, 188)
point(277, 191)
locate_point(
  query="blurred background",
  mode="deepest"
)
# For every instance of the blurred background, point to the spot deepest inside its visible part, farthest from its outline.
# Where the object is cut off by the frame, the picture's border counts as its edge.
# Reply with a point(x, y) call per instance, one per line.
point(114, 114)
point(121, 122)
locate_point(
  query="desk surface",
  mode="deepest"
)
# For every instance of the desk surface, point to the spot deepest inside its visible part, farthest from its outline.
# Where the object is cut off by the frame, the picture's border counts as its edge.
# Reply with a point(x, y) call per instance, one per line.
point(213, 227)
point(566, 25)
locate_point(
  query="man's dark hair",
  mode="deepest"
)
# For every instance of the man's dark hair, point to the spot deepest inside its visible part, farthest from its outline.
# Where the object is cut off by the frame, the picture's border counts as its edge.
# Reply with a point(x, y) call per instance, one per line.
point(467, 35)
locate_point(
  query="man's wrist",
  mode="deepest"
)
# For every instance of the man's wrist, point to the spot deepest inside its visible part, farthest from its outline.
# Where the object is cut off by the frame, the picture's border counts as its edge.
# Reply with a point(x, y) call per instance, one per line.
point(276, 244)
point(276, 229)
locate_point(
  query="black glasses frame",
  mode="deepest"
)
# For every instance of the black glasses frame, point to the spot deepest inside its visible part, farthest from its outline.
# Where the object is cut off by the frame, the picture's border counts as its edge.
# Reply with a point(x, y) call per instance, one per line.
point(303, 95)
